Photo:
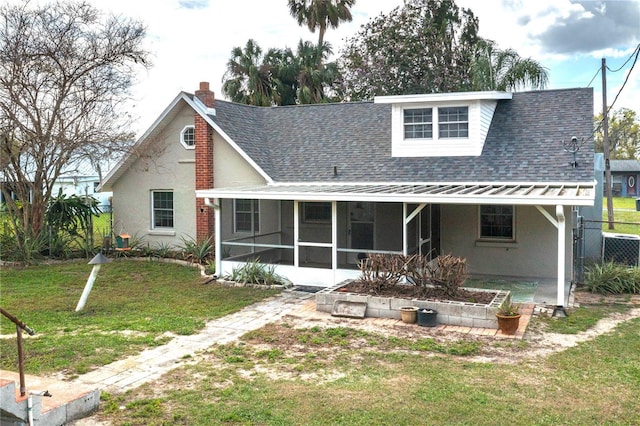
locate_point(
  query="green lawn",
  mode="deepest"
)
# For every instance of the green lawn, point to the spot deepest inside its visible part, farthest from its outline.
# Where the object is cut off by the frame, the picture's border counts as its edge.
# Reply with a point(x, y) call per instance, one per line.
point(130, 307)
point(624, 210)
point(282, 375)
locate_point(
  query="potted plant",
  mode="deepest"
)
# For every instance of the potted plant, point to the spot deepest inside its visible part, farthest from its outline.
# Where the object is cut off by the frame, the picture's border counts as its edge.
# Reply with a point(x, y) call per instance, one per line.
point(508, 315)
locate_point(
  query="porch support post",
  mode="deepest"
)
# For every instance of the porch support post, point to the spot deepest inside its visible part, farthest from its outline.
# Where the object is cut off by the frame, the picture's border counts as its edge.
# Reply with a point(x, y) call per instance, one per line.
point(405, 242)
point(559, 223)
point(218, 238)
point(334, 239)
point(561, 254)
point(296, 233)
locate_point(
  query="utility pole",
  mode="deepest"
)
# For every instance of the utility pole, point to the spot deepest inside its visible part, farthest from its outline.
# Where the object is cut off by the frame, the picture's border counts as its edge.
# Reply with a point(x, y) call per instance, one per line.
point(605, 131)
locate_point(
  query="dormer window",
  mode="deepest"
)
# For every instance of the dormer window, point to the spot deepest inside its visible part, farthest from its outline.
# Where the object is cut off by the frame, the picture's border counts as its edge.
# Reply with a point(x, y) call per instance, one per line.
point(418, 123)
point(453, 122)
point(441, 124)
point(188, 137)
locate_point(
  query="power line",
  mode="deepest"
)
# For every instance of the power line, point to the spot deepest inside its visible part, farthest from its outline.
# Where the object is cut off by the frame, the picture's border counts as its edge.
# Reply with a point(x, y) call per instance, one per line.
point(594, 77)
point(636, 52)
point(628, 59)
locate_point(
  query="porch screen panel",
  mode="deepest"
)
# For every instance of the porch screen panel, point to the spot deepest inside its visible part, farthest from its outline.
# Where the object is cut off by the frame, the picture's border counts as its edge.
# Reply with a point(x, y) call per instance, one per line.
point(315, 222)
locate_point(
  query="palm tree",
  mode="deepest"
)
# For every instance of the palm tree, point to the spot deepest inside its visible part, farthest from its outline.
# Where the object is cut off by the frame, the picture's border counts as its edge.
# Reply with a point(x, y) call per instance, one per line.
point(285, 67)
point(321, 14)
point(505, 70)
point(248, 78)
point(316, 83)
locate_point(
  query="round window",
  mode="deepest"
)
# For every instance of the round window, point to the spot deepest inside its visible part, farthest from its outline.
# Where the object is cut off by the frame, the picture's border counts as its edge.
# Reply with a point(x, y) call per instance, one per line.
point(631, 182)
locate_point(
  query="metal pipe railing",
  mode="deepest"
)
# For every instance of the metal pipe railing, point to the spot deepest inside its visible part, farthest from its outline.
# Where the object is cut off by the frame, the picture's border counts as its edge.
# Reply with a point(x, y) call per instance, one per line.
point(19, 327)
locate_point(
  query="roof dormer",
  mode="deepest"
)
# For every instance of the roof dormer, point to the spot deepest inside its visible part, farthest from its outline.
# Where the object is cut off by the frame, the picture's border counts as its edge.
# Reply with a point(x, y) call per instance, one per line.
point(441, 124)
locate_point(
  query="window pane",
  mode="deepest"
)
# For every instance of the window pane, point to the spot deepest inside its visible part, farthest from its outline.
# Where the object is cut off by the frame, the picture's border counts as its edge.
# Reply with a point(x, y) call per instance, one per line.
point(188, 136)
point(453, 122)
point(162, 209)
point(496, 222)
point(317, 212)
point(418, 123)
point(247, 215)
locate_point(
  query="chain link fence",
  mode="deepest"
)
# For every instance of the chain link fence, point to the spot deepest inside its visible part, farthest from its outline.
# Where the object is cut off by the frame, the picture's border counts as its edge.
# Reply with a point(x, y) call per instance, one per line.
point(618, 247)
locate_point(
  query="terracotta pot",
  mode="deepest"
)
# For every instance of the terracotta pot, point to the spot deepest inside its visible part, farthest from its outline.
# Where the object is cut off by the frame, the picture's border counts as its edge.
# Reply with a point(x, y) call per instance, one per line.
point(409, 314)
point(508, 324)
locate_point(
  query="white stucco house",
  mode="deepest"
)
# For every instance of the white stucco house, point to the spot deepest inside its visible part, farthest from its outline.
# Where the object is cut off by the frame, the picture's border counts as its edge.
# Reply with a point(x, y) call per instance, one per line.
point(311, 188)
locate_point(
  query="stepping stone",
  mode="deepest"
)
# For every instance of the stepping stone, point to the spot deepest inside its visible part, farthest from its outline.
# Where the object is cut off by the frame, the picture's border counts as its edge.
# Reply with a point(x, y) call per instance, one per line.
point(343, 308)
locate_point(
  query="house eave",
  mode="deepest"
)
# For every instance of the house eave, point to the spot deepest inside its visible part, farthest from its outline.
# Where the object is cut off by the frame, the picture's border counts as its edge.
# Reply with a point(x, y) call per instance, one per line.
point(442, 97)
point(543, 194)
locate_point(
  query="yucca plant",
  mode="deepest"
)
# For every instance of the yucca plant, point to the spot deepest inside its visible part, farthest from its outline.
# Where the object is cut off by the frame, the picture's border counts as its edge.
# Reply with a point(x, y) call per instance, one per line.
point(254, 272)
point(197, 251)
point(612, 278)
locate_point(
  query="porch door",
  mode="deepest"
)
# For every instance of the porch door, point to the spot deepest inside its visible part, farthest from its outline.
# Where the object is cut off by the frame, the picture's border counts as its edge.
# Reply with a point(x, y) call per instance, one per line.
point(422, 229)
point(632, 185)
point(361, 228)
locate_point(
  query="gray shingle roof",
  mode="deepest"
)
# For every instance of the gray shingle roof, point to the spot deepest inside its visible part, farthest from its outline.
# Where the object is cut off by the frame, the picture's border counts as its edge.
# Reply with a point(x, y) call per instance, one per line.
point(625, 165)
point(524, 144)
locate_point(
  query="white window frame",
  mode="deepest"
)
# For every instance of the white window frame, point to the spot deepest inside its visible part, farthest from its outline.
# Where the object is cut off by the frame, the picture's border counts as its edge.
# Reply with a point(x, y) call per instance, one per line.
point(435, 123)
point(423, 123)
point(511, 239)
point(153, 209)
point(182, 137)
point(255, 216)
point(440, 123)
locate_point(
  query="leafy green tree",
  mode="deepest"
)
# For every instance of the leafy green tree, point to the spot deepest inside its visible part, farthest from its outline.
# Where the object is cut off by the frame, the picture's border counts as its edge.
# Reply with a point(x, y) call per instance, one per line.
point(424, 46)
point(321, 14)
point(65, 71)
point(505, 70)
point(624, 134)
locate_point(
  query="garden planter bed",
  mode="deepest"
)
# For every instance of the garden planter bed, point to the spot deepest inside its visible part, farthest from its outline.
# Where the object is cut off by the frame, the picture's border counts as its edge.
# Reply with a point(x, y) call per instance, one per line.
point(450, 312)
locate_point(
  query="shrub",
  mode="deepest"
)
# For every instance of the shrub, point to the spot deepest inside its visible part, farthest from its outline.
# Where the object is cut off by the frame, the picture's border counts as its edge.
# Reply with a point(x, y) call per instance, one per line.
point(197, 251)
point(254, 272)
point(381, 271)
point(446, 272)
point(612, 278)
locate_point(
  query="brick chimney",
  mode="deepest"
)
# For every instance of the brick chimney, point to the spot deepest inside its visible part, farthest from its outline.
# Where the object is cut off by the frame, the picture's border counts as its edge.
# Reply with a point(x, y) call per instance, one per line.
point(204, 164)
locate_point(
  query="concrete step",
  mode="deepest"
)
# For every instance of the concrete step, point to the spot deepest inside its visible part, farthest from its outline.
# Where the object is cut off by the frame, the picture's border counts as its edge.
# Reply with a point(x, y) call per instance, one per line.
point(68, 401)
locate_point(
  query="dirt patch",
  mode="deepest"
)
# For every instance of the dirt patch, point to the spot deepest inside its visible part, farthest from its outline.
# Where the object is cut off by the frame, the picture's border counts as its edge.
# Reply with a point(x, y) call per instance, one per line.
point(406, 291)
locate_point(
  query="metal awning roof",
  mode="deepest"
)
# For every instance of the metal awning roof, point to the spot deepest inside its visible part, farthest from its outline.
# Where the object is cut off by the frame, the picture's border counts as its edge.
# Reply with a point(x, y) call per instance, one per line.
point(444, 193)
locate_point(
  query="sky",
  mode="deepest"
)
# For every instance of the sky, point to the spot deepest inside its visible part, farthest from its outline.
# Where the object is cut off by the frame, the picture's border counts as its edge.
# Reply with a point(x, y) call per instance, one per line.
point(191, 41)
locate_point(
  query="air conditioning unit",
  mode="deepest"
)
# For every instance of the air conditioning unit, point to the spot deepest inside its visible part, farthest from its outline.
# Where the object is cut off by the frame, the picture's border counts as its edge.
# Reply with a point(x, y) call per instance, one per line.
point(621, 248)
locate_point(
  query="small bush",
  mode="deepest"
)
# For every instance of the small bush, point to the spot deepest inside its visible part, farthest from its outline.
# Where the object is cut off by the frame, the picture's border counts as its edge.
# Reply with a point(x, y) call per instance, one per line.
point(197, 251)
point(254, 272)
point(612, 278)
point(380, 271)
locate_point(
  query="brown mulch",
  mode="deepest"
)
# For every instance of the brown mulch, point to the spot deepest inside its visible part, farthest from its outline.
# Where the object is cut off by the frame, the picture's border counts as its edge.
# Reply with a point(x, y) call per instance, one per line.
point(407, 291)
